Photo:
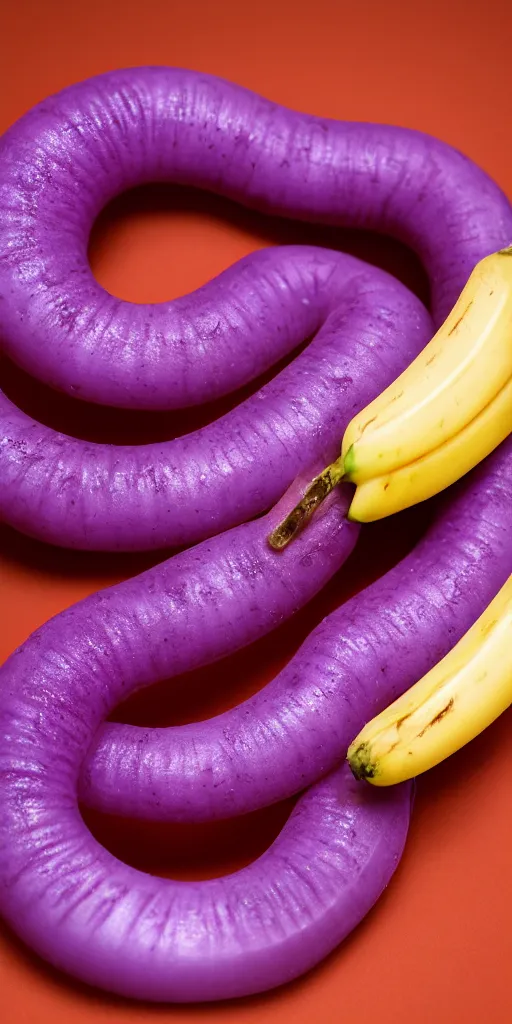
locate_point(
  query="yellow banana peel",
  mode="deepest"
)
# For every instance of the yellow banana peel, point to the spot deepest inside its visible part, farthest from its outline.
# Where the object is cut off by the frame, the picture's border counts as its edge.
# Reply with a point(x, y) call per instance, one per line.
point(442, 416)
point(459, 698)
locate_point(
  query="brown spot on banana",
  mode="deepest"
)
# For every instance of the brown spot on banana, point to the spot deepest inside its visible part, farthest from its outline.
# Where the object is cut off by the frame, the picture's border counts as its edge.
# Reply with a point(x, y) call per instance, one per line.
point(461, 318)
point(400, 721)
point(439, 717)
point(367, 424)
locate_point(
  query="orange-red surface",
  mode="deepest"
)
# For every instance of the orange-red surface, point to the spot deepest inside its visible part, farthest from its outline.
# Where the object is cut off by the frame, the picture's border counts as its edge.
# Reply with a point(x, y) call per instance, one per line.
point(438, 947)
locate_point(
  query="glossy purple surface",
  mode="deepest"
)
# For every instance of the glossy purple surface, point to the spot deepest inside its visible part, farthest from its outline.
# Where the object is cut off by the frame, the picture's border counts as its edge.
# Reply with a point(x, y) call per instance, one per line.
point(71, 900)
point(62, 162)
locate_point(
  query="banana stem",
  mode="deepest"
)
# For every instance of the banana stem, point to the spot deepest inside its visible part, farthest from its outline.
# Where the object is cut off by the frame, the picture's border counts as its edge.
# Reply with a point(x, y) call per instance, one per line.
point(315, 494)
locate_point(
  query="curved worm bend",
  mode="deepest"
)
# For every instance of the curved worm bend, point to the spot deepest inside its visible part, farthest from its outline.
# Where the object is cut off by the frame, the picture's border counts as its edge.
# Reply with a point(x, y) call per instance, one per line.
point(68, 156)
point(355, 663)
point(151, 938)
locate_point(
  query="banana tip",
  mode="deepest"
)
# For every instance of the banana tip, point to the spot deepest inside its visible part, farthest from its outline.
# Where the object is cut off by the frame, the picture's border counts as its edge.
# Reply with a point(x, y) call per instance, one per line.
point(361, 764)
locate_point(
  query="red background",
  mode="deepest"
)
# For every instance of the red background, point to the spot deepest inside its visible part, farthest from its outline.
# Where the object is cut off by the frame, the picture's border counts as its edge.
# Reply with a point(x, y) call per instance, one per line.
point(438, 946)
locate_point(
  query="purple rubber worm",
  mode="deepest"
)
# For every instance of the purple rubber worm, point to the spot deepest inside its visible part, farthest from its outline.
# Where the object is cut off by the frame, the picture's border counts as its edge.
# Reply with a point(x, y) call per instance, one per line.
point(66, 896)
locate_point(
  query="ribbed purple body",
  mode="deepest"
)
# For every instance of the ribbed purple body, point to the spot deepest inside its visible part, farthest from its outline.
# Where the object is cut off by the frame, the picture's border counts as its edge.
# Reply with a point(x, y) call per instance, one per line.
point(71, 900)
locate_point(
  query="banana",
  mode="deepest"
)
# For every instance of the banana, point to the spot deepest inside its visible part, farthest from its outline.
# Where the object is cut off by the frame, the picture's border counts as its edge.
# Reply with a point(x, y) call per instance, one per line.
point(456, 375)
point(445, 413)
point(413, 483)
point(453, 703)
